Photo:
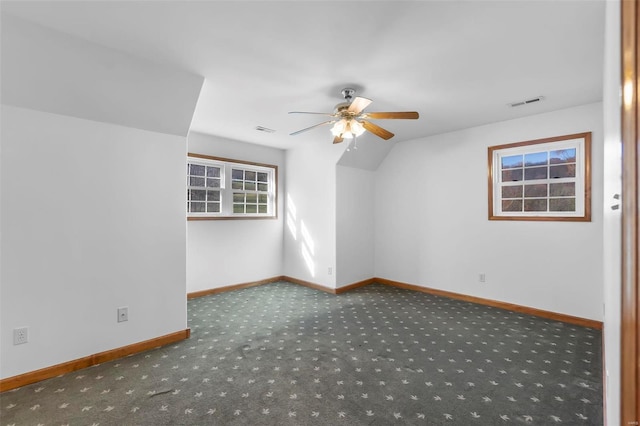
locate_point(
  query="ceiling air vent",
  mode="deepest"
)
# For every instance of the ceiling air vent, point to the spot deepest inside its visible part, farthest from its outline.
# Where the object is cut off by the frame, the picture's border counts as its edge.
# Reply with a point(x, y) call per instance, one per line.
point(528, 101)
point(264, 129)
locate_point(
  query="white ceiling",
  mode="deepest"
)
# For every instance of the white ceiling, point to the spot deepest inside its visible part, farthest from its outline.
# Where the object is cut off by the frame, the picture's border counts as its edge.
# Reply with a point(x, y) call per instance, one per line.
point(458, 63)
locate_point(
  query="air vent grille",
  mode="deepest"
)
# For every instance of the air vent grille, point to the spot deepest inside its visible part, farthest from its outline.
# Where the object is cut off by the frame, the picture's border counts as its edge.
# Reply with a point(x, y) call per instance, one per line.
point(264, 129)
point(527, 102)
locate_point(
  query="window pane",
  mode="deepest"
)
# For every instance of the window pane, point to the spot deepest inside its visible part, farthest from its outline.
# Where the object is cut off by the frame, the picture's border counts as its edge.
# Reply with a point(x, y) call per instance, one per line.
point(196, 181)
point(511, 175)
point(213, 207)
point(562, 171)
point(213, 195)
point(262, 209)
point(512, 191)
point(563, 156)
point(198, 195)
point(252, 208)
point(263, 177)
point(237, 174)
point(535, 159)
point(252, 198)
point(263, 198)
point(236, 185)
point(562, 189)
point(213, 171)
point(250, 186)
point(196, 169)
point(238, 197)
point(562, 204)
point(534, 173)
point(249, 175)
point(263, 187)
point(197, 207)
point(511, 205)
point(238, 208)
point(213, 183)
point(539, 190)
point(512, 161)
point(535, 205)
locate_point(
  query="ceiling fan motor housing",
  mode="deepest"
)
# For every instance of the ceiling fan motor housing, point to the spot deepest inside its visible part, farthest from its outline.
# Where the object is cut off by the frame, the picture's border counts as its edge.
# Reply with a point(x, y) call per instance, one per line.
point(342, 106)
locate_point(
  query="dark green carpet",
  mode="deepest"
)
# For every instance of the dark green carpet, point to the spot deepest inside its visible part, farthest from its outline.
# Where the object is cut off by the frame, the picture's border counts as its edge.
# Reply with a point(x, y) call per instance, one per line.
point(286, 354)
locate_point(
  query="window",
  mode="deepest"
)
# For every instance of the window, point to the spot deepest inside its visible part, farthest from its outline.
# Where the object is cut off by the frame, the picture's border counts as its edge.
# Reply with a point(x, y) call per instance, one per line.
point(219, 188)
point(545, 179)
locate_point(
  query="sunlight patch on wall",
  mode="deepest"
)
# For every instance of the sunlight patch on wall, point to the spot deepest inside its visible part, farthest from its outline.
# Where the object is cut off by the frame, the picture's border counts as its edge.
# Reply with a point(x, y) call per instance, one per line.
point(308, 260)
point(306, 238)
point(307, 245)
point(291, 217)
point(307, 249)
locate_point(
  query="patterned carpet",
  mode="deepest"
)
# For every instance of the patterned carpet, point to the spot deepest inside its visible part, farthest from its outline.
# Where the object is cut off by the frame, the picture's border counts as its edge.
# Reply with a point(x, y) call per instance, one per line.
point(285, 354)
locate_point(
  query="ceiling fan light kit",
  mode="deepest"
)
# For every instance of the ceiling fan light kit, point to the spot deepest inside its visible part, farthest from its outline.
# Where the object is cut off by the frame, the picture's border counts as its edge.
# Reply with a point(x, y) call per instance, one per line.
point(349, 121)
point(347, 128)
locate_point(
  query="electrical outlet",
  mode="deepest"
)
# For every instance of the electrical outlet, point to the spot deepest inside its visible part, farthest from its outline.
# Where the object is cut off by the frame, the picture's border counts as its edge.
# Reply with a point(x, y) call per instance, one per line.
point(20, 335)
point(482, 277)
point(123, 314)
point(330, 270)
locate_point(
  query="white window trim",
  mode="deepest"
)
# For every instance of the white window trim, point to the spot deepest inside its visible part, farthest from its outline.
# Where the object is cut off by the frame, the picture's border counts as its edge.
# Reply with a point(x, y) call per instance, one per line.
point(581, 142)
point(226, 191)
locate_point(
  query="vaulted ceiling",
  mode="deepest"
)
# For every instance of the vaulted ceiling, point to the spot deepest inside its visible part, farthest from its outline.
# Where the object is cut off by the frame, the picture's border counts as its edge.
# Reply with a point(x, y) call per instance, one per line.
point(458, 63)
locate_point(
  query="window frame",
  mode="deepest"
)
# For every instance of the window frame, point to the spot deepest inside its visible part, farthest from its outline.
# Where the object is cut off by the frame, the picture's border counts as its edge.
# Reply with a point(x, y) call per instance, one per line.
point(226, 188)
point(580, 141)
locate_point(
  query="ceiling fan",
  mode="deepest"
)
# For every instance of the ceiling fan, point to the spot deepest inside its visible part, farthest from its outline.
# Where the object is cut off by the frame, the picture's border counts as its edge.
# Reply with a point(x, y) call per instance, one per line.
point(349, 120)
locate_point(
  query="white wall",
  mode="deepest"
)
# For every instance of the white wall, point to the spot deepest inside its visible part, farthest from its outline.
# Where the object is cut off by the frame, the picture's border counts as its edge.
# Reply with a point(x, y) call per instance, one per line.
point(92, 219)
point(368, 153)
point(227, 252)
point(354, 225)
point(432, 228)
point(310, 212)
point(612, 185)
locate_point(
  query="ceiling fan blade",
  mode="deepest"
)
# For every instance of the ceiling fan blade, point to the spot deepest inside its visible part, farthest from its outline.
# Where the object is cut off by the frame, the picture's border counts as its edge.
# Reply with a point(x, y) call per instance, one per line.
point(359, 104)
point(409, 115)
point(308, 112)
point(337, 139)
point(311, 127)
point(377, 130)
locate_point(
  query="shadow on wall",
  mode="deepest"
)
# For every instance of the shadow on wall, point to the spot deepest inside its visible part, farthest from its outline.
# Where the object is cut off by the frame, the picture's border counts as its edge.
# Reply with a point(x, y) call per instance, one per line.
point(306, 243)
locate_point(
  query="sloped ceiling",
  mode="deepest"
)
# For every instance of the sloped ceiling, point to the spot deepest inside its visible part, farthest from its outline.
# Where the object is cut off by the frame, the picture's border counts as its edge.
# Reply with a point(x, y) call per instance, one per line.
point(50, 71)
point(458, 63)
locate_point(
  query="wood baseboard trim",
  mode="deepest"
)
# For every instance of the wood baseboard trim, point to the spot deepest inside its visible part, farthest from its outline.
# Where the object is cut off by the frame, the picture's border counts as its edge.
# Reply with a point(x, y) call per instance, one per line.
point(292, 280)
point(555, 316)
point(207, 292)
point(353, 286)
point(310, 284)
point(88, 361)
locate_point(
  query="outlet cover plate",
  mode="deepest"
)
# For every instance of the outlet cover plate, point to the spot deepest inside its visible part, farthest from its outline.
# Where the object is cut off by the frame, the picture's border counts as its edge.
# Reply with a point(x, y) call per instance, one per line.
point(123, 314)
point(20, 335)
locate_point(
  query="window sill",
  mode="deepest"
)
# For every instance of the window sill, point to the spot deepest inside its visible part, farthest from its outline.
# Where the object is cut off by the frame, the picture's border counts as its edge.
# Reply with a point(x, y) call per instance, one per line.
point(196, 218)
point(544, 218)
